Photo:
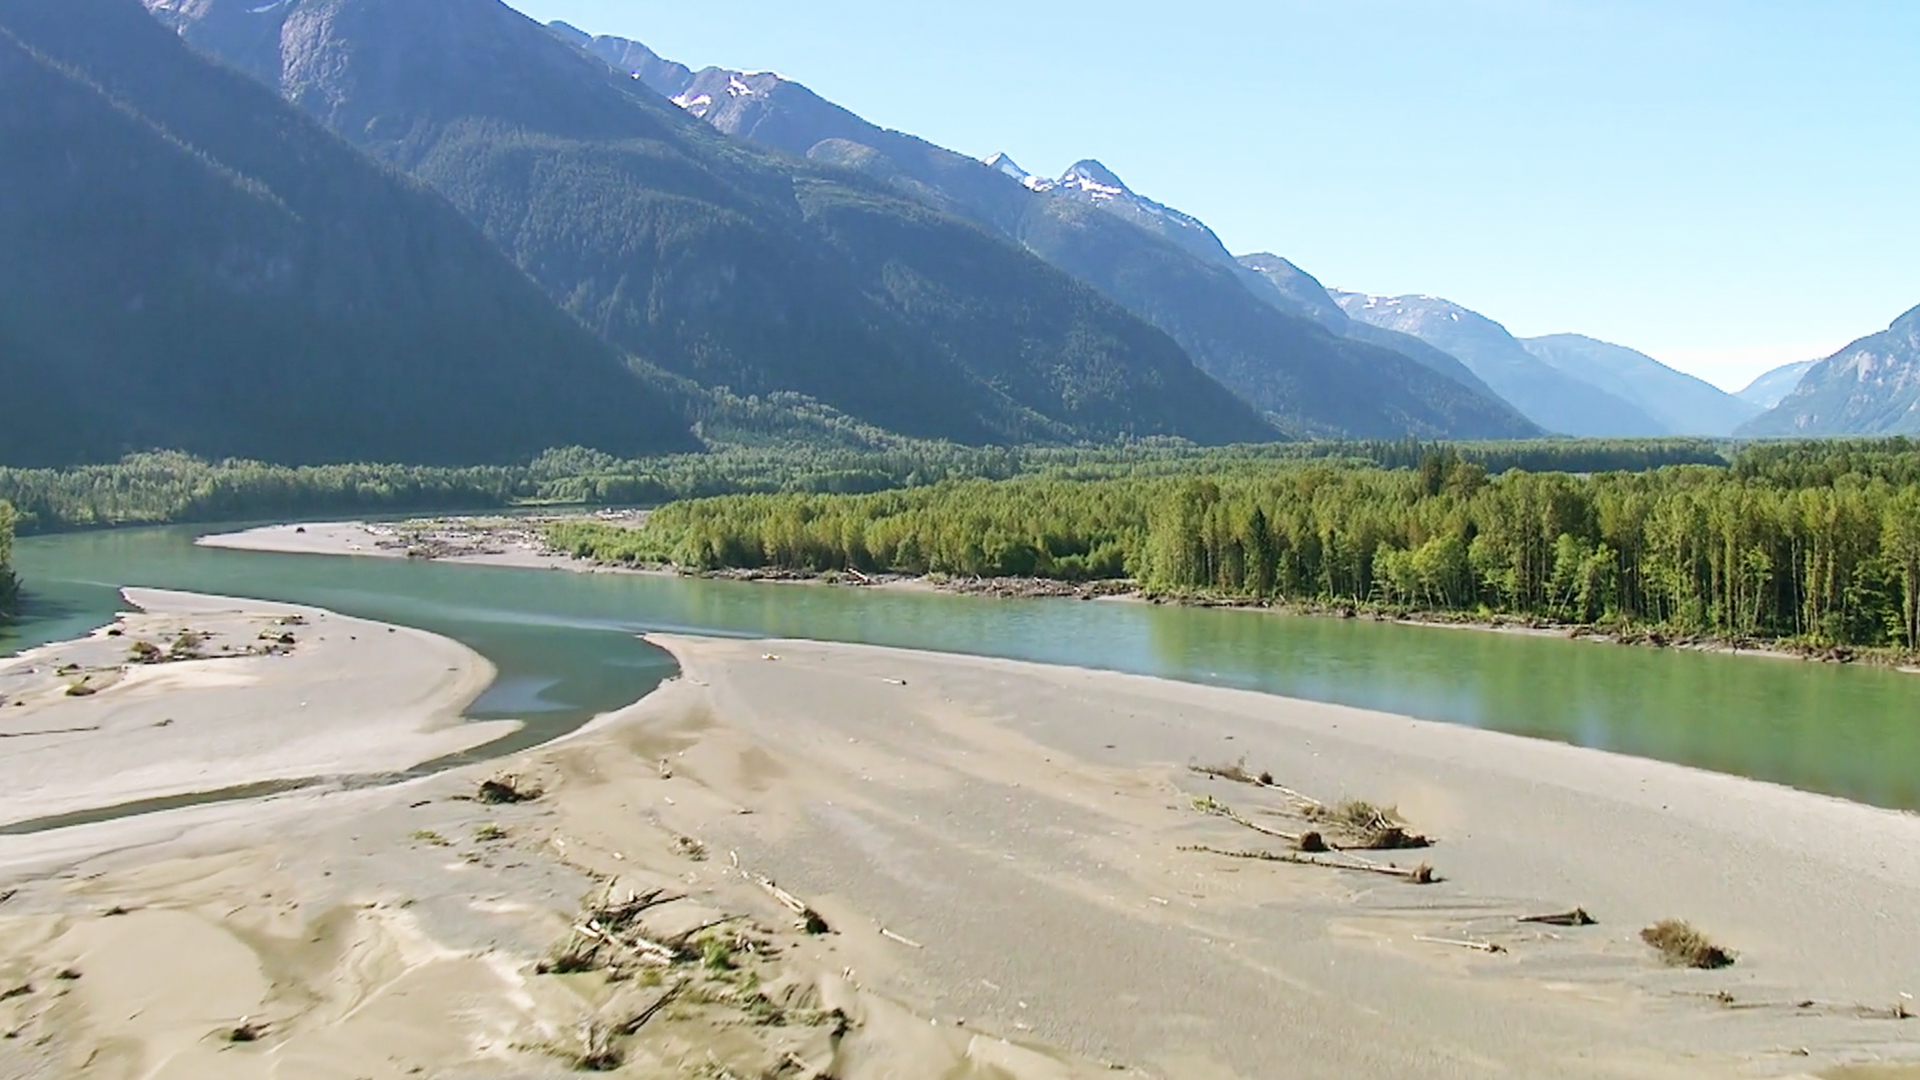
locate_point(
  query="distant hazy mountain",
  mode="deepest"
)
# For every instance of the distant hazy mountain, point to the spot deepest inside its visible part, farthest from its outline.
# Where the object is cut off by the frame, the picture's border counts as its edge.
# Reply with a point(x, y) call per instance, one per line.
point(1269, 278)
point(1160, 264)
point(1871, 387)
point(187, 262)
point(1548, 396)
point(1681, 403)
point(705, 256)
point(1771, 388)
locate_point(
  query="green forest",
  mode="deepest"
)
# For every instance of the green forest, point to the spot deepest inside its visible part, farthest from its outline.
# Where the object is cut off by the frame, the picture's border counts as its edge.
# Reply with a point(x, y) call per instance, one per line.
point(9, 585)
point(1810, 542)
point(161, 488)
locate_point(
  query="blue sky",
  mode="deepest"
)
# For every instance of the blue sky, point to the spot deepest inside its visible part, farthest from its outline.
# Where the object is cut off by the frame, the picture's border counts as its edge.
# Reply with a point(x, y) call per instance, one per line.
point(1726, 186)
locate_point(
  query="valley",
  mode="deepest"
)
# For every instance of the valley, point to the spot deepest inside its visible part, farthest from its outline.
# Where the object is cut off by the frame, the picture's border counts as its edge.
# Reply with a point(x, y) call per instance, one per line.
point(529, 547)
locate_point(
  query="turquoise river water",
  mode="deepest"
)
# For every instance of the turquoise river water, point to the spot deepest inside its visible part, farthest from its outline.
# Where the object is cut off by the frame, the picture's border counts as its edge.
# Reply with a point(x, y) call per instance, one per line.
point(566, 648)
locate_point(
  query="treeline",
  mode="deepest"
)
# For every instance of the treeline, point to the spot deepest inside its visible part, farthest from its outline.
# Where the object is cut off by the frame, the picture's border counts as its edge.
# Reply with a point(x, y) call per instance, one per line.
point(9, 584)
point(1814, 542)
point(163, 488)
point(839, 457)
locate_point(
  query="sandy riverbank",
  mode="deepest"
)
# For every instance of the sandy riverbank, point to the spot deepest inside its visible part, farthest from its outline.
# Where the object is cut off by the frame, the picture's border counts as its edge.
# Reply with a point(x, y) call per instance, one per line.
point(478, 541)
point(195, 694)
point(1003, 852)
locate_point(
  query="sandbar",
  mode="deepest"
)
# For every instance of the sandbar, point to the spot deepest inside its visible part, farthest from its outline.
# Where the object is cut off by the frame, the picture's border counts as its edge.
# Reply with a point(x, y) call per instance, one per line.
point(1021, 877)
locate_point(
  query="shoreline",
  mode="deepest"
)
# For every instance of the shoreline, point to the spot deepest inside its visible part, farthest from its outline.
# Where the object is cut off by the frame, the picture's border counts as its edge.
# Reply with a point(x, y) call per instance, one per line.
point(187, 695)
point(478, 541)
point(1002, 850)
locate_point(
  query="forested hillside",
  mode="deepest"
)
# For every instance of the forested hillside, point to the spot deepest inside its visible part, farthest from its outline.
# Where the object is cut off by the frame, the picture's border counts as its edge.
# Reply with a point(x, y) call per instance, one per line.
point(188, 262)
point(1820, 544)
point(713, 260)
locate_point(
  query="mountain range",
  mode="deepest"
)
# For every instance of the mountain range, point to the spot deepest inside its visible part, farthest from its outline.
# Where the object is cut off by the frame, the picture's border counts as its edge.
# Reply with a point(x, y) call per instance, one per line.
point(434, 230)
point(1565, 384)
point(1555, 400)
point(1163, 266)
point(710, 258)
point(1678, 402)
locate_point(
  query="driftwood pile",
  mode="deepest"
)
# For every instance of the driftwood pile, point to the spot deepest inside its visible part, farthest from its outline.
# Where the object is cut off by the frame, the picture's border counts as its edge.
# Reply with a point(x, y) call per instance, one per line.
point(721, 962)
point(1328, 833)
point(607, 936)
point(507, 788)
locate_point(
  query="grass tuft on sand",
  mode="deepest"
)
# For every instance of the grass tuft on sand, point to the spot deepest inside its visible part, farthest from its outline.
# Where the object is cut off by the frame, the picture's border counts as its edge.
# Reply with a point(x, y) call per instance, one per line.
point(1683, 946)
point(1378, 828)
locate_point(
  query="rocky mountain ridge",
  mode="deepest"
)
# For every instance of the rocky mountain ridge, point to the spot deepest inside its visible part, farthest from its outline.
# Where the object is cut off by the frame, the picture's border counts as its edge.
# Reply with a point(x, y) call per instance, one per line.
point(1871, 387)
point(714, 260)
point(1162, 265)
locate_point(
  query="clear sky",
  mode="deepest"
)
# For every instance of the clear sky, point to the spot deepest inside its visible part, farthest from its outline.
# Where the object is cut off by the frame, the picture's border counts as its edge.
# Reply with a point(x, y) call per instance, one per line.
point(1727, 185)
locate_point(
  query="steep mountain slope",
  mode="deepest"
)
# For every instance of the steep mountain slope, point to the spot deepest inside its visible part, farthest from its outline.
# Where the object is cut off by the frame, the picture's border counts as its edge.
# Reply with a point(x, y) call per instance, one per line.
point(711, 259)
point(1293, 289)
point(1871, 387)
point(1683, 404)
point(1163, 266)
point(187, 262)
point(1549, 397)
point(1772, 387)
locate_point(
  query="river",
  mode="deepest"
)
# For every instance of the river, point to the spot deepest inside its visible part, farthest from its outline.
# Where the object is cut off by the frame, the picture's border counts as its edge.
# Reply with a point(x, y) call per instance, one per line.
point(566, 649)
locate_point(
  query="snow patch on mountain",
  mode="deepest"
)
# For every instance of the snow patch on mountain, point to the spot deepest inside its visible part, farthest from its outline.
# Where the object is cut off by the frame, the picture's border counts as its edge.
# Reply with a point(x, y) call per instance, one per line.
point(697, 104)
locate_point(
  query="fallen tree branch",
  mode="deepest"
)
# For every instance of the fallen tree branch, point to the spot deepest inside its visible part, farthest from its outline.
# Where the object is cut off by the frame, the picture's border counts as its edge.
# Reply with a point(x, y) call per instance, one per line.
point(1305, 841)
point(1576, 917)
point(810, 920)
point(1478, 946)
point(1237, 772)
point(640, 1019)
point(1419, 875)
point(680, 940)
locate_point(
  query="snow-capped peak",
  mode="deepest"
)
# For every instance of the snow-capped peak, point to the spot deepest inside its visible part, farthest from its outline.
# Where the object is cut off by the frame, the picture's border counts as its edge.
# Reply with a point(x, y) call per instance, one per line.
point(1006, 166)
point(1002, 163)
point(1095, 179)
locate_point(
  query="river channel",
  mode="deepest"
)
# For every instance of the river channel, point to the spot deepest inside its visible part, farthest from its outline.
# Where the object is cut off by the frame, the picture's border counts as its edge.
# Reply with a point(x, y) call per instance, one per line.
point(566, 647)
